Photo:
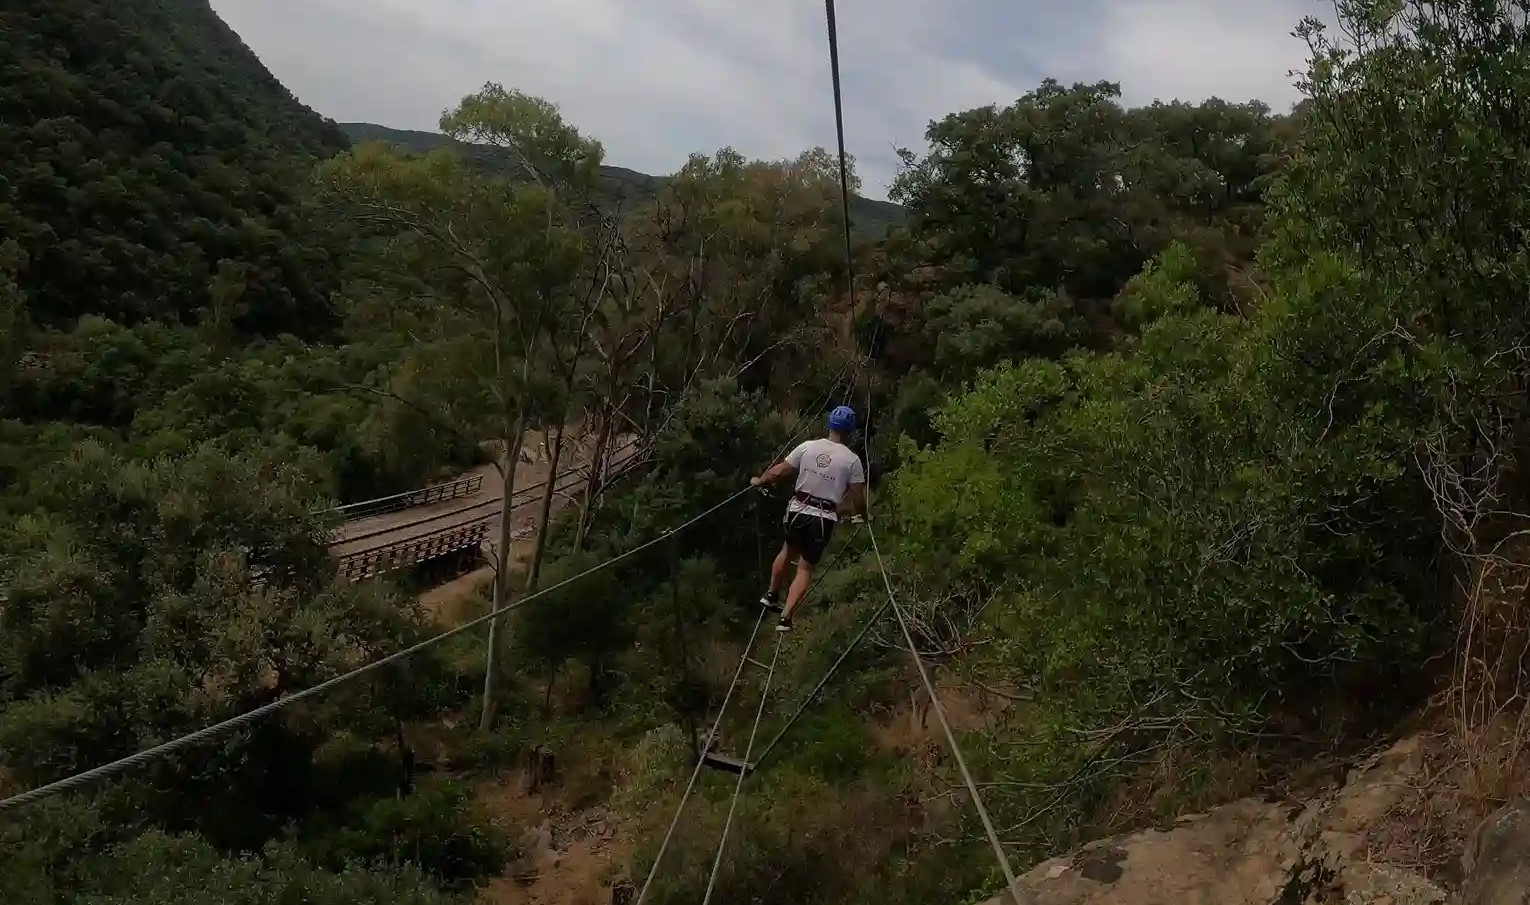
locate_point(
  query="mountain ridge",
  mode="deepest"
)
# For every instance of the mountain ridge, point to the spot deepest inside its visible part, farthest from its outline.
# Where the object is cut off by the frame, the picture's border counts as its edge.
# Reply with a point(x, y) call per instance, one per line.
point(144, 151)
point(872, 219)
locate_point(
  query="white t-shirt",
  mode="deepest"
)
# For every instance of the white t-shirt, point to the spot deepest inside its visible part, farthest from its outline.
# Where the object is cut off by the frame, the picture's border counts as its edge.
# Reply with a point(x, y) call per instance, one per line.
point(826, 470)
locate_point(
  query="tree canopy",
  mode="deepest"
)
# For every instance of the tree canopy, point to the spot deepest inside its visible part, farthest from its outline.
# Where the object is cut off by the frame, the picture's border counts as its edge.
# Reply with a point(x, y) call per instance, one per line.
point(145, 154)
point(1195, 427)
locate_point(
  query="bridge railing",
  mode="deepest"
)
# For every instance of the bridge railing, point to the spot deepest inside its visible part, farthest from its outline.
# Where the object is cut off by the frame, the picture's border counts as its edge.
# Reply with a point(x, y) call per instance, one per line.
point(467, 486)
point(424, 496)
point(471, 533)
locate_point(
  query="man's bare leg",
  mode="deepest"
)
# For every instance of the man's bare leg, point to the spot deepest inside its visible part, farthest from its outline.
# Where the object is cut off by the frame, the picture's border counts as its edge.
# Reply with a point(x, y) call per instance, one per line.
point(799, 588)
point(784, 559)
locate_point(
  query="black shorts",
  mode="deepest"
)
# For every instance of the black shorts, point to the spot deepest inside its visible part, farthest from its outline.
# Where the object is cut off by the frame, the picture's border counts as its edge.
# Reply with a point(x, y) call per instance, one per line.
point(808, 534)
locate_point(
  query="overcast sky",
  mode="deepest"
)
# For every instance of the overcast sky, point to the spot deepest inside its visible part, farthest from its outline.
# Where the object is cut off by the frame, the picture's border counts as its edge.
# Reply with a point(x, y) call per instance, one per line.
point(657, 79)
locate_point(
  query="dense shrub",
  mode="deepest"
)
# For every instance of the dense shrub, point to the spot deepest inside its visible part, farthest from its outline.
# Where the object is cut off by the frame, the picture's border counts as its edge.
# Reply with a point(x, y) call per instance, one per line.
point(436, 829)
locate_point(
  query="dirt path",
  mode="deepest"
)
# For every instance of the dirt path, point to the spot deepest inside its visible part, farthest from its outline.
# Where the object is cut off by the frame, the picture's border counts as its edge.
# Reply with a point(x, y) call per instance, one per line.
point(571, 857)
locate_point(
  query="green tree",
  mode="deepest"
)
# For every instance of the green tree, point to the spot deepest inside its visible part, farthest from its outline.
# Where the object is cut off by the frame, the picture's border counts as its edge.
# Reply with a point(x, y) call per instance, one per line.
point(494, 261)
point(142, 146)
point(977, 327)
point(157, 868)
point(1063, 196)
point(1422, 83)
point(763, 239)
point(14, 325)
point(145, 600)
point(585, 620)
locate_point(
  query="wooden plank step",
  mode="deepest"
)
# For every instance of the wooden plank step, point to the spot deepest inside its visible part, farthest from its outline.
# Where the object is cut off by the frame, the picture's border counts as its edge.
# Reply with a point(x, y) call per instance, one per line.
point(725, 763)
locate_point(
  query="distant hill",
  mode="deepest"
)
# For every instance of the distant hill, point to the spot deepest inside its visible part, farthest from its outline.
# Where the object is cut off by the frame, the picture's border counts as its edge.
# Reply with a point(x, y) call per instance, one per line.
point(872, 218)
point(144, 149)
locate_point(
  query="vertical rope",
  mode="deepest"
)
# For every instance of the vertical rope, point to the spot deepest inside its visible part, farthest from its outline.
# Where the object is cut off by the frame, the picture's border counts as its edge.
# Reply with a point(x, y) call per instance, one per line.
point(945, 725)
point(844, 165)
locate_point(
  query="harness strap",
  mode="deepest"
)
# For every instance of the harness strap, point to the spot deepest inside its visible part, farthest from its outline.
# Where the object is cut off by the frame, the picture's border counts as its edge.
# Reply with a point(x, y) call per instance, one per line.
point(817, 502)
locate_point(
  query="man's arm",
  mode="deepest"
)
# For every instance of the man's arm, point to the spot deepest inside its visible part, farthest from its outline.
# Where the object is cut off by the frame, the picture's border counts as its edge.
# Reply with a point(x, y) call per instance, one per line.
point(854, 502)
point(773, 474)
point(782, 469)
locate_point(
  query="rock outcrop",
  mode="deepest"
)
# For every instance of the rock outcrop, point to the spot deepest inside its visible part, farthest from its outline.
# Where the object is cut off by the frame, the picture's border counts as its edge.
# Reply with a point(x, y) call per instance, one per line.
point(1498, 864)
point(1255, 852)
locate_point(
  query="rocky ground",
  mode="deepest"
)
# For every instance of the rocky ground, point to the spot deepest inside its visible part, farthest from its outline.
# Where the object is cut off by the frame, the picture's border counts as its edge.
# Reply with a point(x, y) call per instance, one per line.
point(1336, 848)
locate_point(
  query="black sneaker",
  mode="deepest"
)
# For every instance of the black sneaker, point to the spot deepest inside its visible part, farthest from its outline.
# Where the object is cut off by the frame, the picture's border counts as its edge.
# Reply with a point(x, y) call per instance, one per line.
point(785, 625)
point(771, 601)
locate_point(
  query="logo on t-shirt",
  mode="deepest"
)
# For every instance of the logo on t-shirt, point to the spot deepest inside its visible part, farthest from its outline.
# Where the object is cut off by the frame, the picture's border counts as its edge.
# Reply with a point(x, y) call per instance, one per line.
point(824, 460)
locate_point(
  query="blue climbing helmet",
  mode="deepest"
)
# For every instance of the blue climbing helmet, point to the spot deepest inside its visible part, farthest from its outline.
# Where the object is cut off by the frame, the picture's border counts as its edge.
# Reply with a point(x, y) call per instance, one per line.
point(842, 420)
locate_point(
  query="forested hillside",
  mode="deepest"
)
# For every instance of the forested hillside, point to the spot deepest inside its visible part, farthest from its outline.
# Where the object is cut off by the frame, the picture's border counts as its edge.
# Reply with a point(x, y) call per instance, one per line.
point(1194, 429)
point(146, 153)
point(872, 218)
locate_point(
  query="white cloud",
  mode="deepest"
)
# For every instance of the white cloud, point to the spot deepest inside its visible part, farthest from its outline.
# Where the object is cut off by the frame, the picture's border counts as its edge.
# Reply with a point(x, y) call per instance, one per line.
point(1194, 49)
point(659, 79)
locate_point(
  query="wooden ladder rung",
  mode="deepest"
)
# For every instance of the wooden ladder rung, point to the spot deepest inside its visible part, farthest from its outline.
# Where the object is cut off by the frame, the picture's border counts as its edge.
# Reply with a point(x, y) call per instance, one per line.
point(725, 763)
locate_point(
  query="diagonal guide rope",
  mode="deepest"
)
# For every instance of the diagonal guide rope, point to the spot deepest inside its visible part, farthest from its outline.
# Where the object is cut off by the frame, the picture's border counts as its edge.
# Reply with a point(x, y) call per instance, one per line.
point(924, 675)
point(690, 785)
point(118, 766)
point(743, 773)
point(945, 725)
point(822, 683)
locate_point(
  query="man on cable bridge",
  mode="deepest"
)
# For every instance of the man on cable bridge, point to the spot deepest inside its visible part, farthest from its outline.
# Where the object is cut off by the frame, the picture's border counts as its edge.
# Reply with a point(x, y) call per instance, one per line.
point(830, 481)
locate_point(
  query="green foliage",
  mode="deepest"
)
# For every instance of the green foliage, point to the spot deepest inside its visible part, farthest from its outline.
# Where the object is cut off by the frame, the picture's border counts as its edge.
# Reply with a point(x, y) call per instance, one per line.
point(746, 250)
point(148, 599)
point(1067, 189)
point(1163, 520)
point(1196, 496)
point(14, 319)
point(1166, 287)
point(1062, 197)
point(1233, 521)
point(1424, 83)
point(806, 841)
point(162, 869)
point(436, 830)
point(531, 130)
point(484, 264)
point(586, 619)
point(977, 327)
point(618, 186)
point(836, 748)
point(716, 438)
point(146, 156)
